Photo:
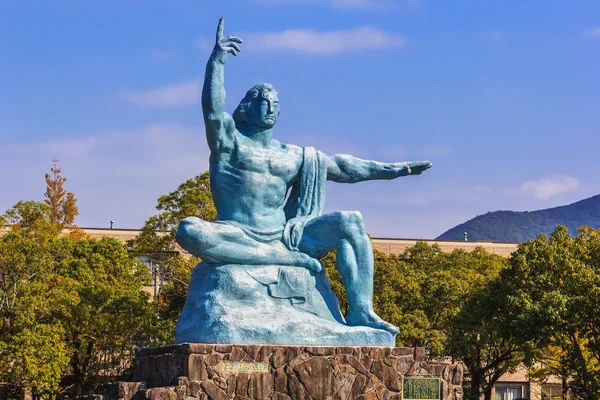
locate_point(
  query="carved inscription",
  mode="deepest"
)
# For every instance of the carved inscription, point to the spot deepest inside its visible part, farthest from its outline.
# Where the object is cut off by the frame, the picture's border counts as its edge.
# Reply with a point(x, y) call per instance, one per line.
point(238, 366)
point(421, 389)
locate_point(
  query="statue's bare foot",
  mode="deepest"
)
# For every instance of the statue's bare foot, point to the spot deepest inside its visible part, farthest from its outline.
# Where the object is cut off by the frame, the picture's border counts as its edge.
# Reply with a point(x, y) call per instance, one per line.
point(370, 319)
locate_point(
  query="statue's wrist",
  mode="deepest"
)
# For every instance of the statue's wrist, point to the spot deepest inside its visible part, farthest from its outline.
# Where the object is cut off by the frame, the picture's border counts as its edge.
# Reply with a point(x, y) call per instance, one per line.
point(219, 55)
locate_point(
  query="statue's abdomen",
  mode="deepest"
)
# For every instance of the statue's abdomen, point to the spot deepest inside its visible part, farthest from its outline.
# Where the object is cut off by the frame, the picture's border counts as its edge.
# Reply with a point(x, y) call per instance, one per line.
point(250, 197)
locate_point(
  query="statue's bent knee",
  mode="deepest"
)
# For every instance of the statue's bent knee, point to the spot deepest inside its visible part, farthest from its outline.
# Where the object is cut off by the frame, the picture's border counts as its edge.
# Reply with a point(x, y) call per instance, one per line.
point(351, 223)
point(190, 233)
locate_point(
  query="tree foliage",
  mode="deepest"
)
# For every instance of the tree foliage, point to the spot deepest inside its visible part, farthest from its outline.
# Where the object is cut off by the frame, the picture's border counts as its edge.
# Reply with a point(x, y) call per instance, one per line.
point(192, 198)
point(422, 289)
point(542, 310)
point(33, 299)
point(156, 243)
point(71, 309)
point(478, 341)
point(31, 219)
point(112, 313)
point(554, 286)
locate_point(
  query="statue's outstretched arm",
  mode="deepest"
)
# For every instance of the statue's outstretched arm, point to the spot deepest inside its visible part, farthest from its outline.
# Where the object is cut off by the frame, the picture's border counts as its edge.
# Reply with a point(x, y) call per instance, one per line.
point(348, 169)
point(219, 125)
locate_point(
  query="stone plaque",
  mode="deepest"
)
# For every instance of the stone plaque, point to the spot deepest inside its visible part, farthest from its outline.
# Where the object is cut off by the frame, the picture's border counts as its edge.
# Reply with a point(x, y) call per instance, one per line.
point(421, 388)
point(238, 366)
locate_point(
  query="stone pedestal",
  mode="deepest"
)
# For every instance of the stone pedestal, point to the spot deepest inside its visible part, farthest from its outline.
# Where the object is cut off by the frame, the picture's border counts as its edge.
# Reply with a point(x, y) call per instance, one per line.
point(186, 371)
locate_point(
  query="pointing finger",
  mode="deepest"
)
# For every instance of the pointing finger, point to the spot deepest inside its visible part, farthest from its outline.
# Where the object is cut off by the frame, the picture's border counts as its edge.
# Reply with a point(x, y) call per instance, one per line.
point(220, 28)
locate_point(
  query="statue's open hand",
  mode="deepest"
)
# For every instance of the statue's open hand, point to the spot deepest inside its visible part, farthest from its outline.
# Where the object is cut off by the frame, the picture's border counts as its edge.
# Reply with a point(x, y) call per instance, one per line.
point(226, 45)
point(413, 167)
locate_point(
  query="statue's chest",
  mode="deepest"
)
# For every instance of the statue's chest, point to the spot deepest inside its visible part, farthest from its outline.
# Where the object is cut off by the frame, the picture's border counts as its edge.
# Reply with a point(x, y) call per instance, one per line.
point(261, 160)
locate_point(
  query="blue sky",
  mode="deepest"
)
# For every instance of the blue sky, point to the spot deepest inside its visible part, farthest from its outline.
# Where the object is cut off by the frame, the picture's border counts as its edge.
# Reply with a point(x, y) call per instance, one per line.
point(502, 97)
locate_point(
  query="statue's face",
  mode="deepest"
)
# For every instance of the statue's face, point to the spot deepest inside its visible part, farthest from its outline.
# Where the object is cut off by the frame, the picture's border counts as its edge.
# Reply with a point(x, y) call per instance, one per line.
point(264, 110)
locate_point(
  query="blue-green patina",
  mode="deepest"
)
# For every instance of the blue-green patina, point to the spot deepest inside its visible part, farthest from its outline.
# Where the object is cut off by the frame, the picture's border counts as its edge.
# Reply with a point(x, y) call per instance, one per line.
point(260, 280)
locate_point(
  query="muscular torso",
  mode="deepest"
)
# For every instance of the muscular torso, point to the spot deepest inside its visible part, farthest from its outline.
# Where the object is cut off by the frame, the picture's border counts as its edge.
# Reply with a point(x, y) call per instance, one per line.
point(249, 181)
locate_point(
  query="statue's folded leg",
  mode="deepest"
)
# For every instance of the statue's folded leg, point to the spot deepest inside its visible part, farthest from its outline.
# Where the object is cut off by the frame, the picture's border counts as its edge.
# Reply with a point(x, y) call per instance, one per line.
point(219, 243)
point(345, 232)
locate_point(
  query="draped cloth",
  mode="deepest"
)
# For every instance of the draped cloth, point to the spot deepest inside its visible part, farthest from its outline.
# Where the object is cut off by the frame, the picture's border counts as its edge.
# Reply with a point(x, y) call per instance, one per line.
point(307, 197)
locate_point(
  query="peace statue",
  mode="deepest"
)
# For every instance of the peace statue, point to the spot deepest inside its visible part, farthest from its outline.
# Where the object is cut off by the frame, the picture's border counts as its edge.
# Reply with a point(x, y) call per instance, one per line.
point(260, 280)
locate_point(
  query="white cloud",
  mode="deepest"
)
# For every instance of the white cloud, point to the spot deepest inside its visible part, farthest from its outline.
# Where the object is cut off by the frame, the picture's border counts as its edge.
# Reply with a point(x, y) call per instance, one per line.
point(310, 41)
point(163, 55)
point(180, 94)
point(550, 186)
point(592, 33)
point(115, 174)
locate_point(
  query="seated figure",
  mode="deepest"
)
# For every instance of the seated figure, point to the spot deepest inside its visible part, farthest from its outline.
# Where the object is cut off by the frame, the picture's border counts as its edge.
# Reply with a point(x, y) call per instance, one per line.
point(259, 224)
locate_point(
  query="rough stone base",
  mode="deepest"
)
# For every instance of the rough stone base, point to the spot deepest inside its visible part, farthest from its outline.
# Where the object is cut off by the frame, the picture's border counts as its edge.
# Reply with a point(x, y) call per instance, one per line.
point(271, 304)
point(195, 371)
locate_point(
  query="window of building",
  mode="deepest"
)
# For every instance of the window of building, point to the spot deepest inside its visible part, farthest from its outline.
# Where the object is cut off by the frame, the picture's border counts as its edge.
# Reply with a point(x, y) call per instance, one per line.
point(512, 391)
point(154, 262)
point(552, 391)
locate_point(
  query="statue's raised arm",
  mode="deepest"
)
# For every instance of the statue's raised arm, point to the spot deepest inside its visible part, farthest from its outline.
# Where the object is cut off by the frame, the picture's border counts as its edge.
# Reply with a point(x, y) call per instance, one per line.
point(219, 125)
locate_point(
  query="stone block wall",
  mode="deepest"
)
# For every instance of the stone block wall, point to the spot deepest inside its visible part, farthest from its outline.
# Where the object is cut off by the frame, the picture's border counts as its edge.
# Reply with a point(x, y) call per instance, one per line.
point(202, 371)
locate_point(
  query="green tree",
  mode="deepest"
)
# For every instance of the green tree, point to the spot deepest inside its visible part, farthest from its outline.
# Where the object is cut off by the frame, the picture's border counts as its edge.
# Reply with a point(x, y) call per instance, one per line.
point(71, 308)
point(37, 357)
point(113, 312)
point(543, 307)
point(396, 297)
point(555, 296)
point(31, 219)
point(156, 244)
point(422, 289)
point(71, 311)
point(192, 198)
point(33, 300)
point(171, 298)
point(443, 283)
point(478, 340)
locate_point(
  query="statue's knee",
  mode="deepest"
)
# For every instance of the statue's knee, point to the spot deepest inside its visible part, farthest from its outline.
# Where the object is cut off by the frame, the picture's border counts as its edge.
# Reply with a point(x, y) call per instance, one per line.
point(190, 227)
point(352, 223)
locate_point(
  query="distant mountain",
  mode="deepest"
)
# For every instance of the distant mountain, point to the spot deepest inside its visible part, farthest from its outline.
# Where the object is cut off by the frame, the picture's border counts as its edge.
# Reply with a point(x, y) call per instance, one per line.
point(519, 226)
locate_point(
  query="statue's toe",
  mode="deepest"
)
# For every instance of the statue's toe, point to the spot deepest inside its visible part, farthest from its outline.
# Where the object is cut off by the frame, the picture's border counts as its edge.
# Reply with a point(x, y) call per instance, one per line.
point(371, 320)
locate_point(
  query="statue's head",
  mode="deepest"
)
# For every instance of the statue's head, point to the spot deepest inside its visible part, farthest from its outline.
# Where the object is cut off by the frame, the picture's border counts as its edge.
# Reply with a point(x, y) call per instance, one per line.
point(259, 107)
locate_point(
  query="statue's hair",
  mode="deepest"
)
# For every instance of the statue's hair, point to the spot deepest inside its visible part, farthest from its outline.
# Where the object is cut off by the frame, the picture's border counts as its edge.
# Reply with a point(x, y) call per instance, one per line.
point(239, 115)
